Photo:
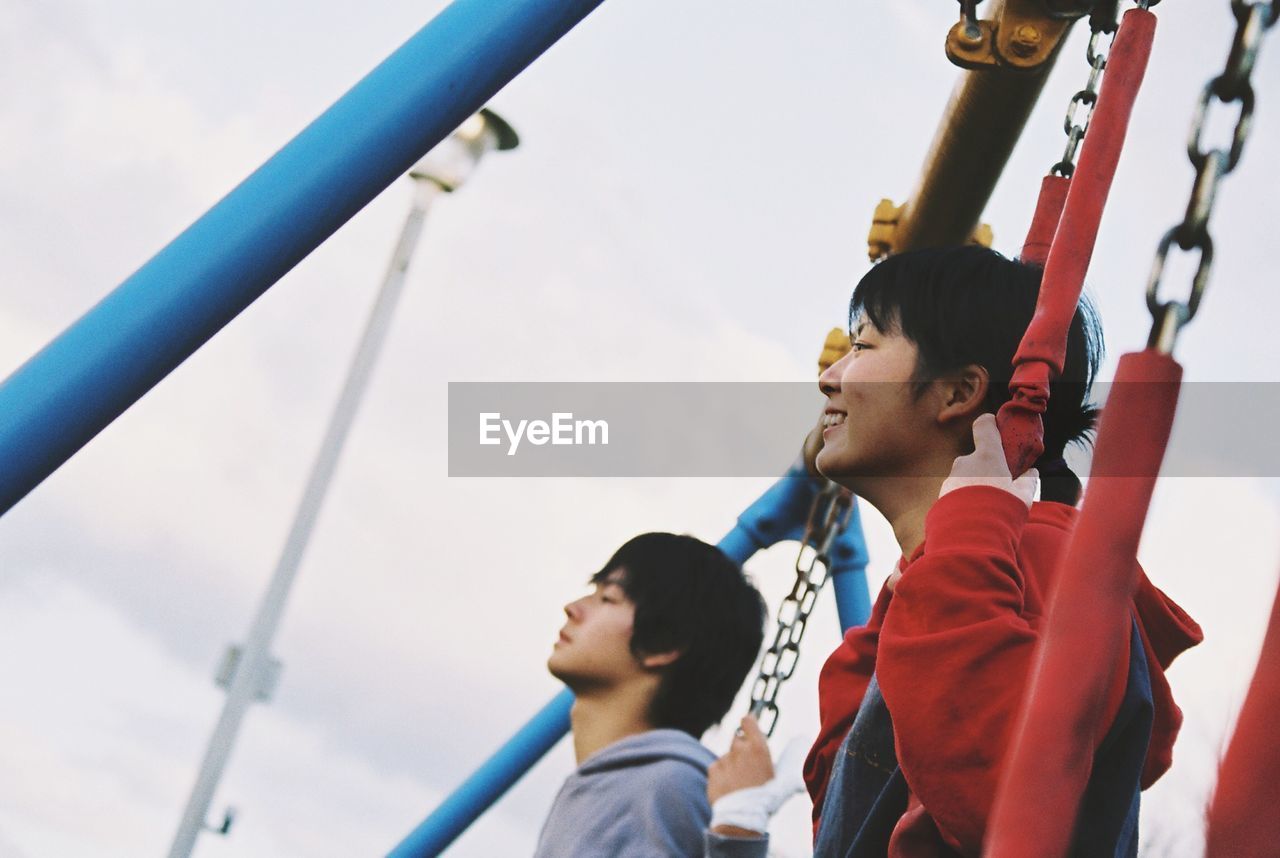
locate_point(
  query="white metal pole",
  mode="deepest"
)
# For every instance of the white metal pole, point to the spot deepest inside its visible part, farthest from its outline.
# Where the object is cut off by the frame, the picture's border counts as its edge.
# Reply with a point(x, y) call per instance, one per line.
point(251, 668)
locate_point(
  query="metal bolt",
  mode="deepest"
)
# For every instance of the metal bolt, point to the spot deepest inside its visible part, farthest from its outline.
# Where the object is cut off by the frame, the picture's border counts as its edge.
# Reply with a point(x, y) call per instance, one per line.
point(970, 33)
point(1026, 40)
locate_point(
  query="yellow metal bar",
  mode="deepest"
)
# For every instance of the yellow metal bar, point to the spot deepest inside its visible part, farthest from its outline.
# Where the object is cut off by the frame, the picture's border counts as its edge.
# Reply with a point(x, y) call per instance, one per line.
point(1007, 67)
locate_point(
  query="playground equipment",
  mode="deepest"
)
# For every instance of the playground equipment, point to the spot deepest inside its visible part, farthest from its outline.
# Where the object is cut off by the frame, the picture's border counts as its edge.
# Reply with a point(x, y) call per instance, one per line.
point(1088, 617)
point(90, 374)
point(58, 400)
point(1009, 57)
point(1007, 60)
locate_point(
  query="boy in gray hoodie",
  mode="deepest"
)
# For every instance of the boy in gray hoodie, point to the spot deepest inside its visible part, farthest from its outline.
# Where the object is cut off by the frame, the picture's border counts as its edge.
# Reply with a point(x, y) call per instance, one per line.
point(654, 655)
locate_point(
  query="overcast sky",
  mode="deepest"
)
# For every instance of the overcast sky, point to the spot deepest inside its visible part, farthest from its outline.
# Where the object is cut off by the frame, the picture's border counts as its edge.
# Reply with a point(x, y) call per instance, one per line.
point(689, 202)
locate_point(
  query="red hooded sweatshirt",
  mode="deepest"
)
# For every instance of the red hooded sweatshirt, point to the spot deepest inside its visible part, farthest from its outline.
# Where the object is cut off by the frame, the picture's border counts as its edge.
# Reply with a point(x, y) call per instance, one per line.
point(952, 648)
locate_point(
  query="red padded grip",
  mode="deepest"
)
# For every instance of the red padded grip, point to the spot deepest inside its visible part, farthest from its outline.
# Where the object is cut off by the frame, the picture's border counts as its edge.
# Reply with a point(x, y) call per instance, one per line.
point(1043, 347)
point(1053, 196)
point(1088, 619)
point(1242, 815)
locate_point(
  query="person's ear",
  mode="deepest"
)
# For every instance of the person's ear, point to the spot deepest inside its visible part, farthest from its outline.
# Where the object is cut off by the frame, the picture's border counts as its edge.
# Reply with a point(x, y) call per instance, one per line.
point(963, 393)
point(655, 660)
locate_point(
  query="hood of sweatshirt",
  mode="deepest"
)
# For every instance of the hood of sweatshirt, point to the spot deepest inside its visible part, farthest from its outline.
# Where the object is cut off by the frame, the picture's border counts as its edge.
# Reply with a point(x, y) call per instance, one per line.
point(648, 747)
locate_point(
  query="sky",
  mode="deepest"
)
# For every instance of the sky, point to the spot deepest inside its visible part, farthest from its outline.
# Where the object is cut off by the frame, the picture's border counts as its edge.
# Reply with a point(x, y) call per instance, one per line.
point(689, 202)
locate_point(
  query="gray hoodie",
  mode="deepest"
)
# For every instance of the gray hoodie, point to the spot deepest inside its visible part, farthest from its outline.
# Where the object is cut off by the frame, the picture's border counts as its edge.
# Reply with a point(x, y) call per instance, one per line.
point(644, 796)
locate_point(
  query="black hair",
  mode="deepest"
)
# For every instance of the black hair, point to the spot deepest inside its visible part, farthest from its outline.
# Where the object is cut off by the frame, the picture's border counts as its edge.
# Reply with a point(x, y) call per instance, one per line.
point(690, 597)
point(970, 305)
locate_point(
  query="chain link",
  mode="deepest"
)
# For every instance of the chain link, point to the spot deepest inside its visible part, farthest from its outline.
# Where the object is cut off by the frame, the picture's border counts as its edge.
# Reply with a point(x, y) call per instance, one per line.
point(969, 18)
point(1088, 97)
point(1253, 19)
point(829, 515)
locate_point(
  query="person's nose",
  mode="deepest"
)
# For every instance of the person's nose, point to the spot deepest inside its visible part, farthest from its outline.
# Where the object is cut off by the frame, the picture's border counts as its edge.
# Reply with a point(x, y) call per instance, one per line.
point(829, 381)
point(573, 610)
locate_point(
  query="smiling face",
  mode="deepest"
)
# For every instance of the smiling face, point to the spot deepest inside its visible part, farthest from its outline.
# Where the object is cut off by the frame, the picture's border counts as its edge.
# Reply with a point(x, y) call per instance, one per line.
point(878, 421)
point(594, 647)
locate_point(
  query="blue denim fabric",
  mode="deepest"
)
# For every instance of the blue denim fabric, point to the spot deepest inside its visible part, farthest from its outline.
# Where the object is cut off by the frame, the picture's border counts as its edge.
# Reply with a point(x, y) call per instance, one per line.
point(867, 793)
point(1107, 823)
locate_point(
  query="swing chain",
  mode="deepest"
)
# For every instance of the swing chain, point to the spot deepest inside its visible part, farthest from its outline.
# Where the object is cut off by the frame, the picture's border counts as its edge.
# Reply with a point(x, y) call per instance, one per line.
point(1088, 97)
point(969, 18)
point(1253, 19)
point(829, 515)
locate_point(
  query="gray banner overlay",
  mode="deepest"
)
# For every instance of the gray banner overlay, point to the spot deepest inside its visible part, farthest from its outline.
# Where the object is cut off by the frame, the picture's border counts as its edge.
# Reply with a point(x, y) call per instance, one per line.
point(755, 429)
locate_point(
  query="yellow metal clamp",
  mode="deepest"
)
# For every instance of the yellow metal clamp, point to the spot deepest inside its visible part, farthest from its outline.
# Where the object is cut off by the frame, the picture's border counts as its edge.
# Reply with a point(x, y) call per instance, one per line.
point(1008, 57)
point(884, 228)
point(1022, 34)
point(836, 346)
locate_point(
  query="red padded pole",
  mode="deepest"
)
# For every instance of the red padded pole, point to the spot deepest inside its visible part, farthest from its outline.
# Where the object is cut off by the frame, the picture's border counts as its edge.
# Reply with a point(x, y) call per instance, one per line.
point(1061, 722)
point(1044, 345)
point(1053, 196)
point(1243, 821)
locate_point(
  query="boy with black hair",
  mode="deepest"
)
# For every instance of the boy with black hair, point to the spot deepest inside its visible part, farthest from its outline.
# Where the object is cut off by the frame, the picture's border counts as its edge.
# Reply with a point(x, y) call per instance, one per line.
point(918, 707)
point(654, 655)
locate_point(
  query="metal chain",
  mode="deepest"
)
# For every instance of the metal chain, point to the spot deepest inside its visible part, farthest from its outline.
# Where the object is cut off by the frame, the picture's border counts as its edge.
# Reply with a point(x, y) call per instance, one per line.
point(829, 515)
point(969, 18)
point(1088, 97)
point(1253, 19)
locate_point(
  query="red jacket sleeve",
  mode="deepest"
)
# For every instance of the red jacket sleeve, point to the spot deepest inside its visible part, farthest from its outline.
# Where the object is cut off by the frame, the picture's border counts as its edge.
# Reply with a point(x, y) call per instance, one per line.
point(955, 651)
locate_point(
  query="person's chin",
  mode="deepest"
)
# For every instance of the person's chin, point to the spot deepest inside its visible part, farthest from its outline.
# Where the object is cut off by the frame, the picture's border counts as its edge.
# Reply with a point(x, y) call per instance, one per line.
point(573, 681)
point(840, 469)
point(829, 464)
point(559, 667)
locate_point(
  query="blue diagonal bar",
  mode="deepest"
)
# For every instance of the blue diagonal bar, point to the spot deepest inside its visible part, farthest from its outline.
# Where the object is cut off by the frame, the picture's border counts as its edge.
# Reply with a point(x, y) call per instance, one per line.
point(776, 516)
point(780, 515)
point(489, 782)
point(72, 389)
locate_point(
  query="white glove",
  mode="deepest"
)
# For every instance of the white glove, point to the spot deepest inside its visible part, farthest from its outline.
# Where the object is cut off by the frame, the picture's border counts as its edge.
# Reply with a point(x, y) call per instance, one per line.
point(752, 808)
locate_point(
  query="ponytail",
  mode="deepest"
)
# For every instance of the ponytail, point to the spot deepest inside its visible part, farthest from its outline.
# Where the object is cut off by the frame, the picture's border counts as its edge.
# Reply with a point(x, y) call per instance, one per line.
point(1058, 483)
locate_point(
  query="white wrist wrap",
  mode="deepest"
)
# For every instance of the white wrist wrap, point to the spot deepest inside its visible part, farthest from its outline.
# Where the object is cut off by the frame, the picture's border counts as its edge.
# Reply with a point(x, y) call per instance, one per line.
point(752, 808)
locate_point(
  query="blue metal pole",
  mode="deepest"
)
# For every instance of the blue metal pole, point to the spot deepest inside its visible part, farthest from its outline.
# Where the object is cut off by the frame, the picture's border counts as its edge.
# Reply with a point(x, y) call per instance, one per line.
point(507, 765)
point(777, 515)
point(848, 568)
point(780, 514)
point(72, 389)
